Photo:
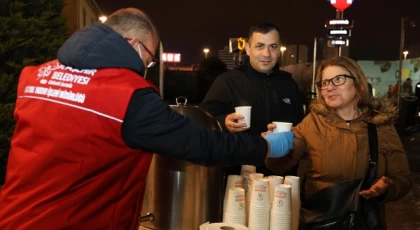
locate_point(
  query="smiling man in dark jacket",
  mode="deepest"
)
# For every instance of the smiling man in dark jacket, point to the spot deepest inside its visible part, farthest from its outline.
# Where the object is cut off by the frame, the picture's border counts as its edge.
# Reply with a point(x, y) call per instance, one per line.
point(87, 124)
point(272, 93)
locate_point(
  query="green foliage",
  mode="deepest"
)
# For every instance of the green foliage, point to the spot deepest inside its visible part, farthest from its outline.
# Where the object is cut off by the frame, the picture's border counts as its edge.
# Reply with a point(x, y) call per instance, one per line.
point(31, 33)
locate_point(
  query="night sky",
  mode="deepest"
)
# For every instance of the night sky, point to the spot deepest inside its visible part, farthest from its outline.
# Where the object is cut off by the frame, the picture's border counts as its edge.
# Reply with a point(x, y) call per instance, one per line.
point(188, 26)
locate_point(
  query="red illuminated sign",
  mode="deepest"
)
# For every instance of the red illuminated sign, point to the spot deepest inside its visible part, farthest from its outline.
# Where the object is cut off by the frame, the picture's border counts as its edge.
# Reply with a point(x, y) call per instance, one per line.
point(171, 57)
point(341, 5)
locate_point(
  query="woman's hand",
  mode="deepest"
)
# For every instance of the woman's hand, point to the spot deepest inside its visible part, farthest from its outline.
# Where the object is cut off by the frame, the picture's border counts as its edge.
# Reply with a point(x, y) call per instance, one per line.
point(377, 189)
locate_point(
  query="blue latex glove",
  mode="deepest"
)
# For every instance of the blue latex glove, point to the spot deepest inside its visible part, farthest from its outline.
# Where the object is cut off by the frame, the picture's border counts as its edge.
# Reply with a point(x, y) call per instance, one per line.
point(280, 143)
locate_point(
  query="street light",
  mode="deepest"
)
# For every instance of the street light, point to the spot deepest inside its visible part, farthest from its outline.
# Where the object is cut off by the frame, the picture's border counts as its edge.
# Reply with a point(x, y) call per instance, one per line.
point(282, 49)
point(402, 44)
point(103, 18)
point(206, 51)
point(405, 54)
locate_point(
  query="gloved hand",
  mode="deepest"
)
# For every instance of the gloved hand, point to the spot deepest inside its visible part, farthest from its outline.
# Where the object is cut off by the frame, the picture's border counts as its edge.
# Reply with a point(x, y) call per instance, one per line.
point(280, 143)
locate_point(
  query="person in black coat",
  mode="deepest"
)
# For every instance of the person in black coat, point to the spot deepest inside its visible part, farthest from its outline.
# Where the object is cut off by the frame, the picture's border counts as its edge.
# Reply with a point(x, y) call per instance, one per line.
point(272, 93)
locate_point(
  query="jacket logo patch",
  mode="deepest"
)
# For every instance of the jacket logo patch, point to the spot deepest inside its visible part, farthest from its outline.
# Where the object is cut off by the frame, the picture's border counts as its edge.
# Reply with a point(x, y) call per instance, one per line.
point(287, 100)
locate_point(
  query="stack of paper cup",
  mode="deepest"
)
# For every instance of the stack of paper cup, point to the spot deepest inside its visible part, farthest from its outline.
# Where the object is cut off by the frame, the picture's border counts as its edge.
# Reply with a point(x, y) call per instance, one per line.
point(233, 181)
point(274, 181)
point(235, 209)
point(251, 178)
point(259, 210)
point(281, 211)
point(294, 182)
point(246, 112)
point(282, 126)
point(245, 171)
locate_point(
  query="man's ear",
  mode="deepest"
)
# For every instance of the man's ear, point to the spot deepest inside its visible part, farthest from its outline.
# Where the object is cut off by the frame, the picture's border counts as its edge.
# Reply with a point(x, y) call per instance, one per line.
point(247, 48)
point(132, 42)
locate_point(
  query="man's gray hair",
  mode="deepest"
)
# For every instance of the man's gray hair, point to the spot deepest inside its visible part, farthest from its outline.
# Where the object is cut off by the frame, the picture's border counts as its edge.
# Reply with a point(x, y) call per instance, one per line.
point(130, 20)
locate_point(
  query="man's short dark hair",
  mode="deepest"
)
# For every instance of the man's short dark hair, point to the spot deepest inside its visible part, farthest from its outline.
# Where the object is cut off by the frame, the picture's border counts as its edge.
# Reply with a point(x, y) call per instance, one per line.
point(263, 27)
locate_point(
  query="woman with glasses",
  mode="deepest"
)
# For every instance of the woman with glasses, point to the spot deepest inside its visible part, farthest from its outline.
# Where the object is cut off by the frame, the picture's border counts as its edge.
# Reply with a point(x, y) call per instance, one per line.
point(333, 139)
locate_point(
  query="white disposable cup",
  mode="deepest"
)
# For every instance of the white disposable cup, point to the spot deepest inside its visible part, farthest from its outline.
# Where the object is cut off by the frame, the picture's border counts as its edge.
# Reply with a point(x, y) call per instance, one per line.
point(282, 202)
point(251, 178)
point(259, 218)
point(274, 181)
point(282, 126)
point(229, 219)
point(245, 171)
point(280, 221)
point(254, 176)
point(260, 195)
point(246, 112)
point(293, 181)
point(233, 181)
point(236, 202)
point(286, 217)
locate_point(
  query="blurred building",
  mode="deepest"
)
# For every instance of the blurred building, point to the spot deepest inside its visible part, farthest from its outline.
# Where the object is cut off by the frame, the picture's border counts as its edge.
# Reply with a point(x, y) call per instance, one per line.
point(80, 13)
point(294, 54)
point(227, 57)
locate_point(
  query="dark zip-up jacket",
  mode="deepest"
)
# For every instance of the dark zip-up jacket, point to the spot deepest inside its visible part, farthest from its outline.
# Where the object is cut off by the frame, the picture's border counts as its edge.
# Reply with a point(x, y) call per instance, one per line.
point(274, 97)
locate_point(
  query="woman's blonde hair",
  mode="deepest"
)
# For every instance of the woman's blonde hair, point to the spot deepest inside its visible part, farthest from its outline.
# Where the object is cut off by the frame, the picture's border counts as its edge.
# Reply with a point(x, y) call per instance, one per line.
point(354, 69)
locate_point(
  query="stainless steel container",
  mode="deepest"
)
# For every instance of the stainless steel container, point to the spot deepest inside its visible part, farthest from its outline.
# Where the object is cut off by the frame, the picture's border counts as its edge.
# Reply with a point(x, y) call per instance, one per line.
point(181, 195)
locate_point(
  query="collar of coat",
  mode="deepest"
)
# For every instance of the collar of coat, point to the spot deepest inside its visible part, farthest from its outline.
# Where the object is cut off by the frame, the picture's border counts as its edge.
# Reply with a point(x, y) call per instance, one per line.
point(378, 111)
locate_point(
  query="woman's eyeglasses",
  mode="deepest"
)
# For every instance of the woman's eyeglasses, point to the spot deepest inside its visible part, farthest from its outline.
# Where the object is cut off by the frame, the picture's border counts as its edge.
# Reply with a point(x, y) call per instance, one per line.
point(336, 81)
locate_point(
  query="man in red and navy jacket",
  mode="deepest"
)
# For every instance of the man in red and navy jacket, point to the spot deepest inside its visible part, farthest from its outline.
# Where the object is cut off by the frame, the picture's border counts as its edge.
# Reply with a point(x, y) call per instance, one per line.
point(87, 124)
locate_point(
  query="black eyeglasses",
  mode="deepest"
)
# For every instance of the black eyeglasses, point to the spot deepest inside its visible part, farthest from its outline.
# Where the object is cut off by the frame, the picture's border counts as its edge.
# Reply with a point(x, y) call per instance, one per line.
point(154, 59)
point(336, 81)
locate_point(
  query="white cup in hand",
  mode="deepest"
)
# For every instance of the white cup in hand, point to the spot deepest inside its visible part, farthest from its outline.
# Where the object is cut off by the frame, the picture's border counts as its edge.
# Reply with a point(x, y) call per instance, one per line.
point(246, 112)
point(282, 126)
